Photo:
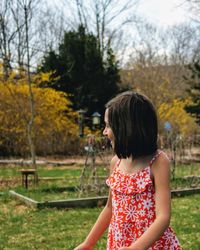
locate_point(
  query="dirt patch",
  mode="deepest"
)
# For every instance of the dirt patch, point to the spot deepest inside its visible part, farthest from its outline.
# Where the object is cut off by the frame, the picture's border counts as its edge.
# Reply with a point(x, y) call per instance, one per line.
point(9, 183)
point(4, 209)
point(20, 209)
point(51, 167)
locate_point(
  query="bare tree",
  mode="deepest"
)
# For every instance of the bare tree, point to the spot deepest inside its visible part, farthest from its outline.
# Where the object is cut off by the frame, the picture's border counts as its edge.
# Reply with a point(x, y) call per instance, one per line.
point(51, 28)
point(19, 41)
point(46, 28)
point(182, 40)
point(106, 18)
point(158, 60)
point(24, 36)
point(27, 6)
point(6, 36)
point(193, 7)
point(12, 35)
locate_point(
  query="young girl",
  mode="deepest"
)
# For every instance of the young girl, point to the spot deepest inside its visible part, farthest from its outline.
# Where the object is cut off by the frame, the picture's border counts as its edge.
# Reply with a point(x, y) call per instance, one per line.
point(138, 207)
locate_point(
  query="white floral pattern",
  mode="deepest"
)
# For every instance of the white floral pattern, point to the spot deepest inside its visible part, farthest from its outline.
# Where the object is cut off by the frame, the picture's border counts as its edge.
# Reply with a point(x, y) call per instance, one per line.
point(133, 205)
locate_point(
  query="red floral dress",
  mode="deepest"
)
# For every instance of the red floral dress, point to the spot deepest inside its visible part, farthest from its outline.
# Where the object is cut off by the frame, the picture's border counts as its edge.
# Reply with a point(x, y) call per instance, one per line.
point(133, 210)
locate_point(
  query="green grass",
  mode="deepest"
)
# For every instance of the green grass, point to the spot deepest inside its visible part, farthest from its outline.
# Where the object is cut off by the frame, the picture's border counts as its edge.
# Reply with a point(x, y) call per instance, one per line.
point(186, 221)
point(53, 193)
point(75, 171)
point(8, 171)
point(185, 170)
point(70, 176)
point(23, 228)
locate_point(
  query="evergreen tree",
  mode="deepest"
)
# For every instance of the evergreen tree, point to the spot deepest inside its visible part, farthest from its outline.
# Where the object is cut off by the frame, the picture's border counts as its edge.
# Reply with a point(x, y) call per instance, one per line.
point(82, 72)
point(194, 91)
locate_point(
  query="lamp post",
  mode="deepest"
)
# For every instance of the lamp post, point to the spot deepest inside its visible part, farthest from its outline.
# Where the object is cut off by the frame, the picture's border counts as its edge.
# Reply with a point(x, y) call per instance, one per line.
point(81, 118)
point(96, 119)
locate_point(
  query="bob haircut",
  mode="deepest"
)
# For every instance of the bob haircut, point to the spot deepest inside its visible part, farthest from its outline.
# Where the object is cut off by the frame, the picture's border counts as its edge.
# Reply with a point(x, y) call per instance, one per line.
point(133, 120)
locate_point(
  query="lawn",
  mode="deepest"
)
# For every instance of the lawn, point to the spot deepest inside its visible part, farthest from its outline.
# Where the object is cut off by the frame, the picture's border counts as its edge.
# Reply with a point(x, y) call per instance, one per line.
point(69, 176)
point(25, 228)
point(64, 175)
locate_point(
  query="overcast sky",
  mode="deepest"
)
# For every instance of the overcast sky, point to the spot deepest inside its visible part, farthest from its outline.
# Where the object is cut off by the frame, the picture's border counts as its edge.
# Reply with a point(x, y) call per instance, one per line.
point(159, 12)
point(163, 12)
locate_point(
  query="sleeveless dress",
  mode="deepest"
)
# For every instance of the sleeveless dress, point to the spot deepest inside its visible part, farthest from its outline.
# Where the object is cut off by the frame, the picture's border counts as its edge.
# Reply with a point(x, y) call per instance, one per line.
point(133, 210)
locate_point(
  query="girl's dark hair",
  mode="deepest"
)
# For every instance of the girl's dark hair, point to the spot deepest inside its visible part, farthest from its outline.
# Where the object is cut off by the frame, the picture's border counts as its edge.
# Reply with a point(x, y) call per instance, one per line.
point(133, 120)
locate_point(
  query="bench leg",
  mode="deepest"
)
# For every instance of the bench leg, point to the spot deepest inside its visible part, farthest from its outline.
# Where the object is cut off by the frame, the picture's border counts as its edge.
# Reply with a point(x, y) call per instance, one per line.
point(22, 180)
point(26, 182)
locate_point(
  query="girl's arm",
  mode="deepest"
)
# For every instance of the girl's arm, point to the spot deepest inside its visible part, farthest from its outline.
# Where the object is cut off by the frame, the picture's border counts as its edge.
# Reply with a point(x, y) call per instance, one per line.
point(161, 173)
point(102, 222)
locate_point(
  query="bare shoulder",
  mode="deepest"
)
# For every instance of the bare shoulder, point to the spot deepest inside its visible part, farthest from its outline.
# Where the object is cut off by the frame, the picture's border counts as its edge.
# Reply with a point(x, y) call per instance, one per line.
point(161, 164)
point(113, 163)
point(162, 158)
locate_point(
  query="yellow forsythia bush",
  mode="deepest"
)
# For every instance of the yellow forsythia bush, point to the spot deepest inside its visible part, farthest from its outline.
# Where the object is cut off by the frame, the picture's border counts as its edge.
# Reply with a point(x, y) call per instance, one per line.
point(182, 122)
point(55, 123)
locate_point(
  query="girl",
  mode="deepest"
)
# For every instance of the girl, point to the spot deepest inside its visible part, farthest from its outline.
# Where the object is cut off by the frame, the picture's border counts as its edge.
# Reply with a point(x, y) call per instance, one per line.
point(138, 207)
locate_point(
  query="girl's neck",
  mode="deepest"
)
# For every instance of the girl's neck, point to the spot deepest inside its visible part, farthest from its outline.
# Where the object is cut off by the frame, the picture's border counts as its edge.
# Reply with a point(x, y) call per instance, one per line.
point(131, 165)
point(134, 160)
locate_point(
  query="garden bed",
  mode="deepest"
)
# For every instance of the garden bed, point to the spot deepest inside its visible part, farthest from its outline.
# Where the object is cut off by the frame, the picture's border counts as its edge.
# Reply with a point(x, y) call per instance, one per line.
point(70, 203)
point(85, 202)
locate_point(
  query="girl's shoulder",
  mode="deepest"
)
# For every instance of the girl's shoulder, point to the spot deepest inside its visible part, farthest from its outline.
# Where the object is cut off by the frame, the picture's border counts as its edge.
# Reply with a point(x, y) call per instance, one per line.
point(159, 158)
point(160, 162)
point(113, 163)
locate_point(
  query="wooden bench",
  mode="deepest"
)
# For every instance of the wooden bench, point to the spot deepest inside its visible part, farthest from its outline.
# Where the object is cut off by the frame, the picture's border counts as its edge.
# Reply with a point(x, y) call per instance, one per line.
point(25, 173)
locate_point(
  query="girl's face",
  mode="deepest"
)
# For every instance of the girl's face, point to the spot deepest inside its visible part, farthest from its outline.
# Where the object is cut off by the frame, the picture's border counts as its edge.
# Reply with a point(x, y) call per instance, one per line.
point(107, 130)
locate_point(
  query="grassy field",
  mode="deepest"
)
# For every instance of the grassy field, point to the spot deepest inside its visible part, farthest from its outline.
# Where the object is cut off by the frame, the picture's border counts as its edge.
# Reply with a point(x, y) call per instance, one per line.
point(24, 228)
point(70, 176)
point(66, 175)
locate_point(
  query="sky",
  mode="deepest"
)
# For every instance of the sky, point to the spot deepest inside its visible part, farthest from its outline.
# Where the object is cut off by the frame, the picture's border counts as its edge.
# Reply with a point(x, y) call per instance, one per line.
point(163, 12)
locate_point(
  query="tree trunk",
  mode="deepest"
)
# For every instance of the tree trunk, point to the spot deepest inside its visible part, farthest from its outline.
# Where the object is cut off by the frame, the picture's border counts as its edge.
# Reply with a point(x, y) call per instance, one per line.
point(30, 129)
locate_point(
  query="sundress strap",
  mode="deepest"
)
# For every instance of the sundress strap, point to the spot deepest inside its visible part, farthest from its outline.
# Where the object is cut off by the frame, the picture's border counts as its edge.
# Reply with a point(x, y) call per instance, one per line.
point(118, 162)
point(150, 163)
point(155, 157)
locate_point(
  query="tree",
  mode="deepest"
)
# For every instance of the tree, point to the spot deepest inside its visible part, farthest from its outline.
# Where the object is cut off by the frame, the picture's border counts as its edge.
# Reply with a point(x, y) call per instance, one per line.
point(194, 90)
point(81, 71)
point(56, 130)
point(105, 18)
point(151, 69)
point(194, 8)
point(182, 123)
point(181, 127)
point(6, 36)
